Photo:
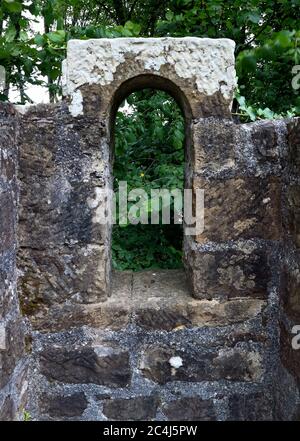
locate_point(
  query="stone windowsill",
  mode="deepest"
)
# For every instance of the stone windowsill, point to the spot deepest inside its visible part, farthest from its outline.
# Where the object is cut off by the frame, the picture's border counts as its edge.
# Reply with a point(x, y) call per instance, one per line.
point(153, 300)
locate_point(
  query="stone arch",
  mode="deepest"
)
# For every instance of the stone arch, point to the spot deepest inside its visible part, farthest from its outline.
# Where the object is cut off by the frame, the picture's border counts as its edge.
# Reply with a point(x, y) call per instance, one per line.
point(202, 68)
point(146, 80)
point(157, 82)
point(154, 81)
point(198, 73)
point(76, 157)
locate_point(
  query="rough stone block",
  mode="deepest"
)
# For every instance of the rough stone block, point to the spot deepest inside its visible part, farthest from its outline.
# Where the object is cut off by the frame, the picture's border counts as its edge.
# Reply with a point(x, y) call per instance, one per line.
point(215, 313)
point(64, 406)
point(105, 365)
point(161, 315)
point(189, 409)
point(214, 143)
point(163, 364)
point(7, 409)
point(131, 409)
point(228, 274)
point(265, 140)
point(240, 208)
point(293, 128)
point(64, 248)
point(50, 278)
point(7, 221)
point(113, 314)
point(257, 406)
point(292, 222)
point(161, 300)
point(14, 349)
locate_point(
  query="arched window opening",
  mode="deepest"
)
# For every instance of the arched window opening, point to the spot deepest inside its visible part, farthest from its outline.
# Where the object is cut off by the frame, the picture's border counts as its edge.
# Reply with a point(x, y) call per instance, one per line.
point(149, 138)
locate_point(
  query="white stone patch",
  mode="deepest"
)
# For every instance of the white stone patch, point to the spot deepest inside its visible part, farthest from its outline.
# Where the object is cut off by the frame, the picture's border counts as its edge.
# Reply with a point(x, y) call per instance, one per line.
point(208, 62)
point(99, 205)
point(2, 337)
point(76, 107)
point(155, 63)
point(64, 80)
point(23, 108)
point(94, 203)
point(176, 362)
point(106, 351)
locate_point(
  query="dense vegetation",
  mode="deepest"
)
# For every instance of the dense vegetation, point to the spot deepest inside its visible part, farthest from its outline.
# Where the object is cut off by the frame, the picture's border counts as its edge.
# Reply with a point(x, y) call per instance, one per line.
point(266, 33)
point(149, 154)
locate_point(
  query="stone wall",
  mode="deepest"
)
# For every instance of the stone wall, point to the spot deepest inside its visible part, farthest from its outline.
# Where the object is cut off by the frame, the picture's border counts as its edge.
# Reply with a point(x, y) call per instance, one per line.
point(151, 351)
point(13, 362)
point(290, 286)
point(63, 251)
point(212, 342)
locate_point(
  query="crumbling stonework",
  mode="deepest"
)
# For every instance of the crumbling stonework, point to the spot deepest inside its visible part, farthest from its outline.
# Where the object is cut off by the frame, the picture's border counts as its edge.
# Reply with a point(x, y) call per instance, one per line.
point(212, 342)
point(13, 363)
point(290, 287)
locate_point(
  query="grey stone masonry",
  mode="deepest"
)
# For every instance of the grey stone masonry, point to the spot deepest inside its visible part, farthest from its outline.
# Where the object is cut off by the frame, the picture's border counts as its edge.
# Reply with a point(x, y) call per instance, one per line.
point(210, 342)
point(13, 364)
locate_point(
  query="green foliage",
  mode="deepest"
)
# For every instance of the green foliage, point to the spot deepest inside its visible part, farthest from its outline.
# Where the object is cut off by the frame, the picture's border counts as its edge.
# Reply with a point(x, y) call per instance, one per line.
point(149, 154)
point(266, 35)
point(35, 58)
point(267, 47)
point(139, 247)
point(26, 416)
point(265, 75)
point(249, 113)
point(16, 53)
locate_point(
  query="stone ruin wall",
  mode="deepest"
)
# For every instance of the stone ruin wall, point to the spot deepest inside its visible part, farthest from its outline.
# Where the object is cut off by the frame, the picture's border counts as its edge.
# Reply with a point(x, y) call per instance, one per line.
point(13, 357)
point(75, 344)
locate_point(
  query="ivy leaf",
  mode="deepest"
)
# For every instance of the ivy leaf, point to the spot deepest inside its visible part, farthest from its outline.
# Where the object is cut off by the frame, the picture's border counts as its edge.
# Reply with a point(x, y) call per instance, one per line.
point(57, 37)
point(266, 113)
point(251, 113)
point(134, 28)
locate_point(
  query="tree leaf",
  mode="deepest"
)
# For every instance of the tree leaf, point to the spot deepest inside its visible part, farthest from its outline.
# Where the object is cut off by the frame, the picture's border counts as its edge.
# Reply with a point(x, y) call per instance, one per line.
point(10, 34)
